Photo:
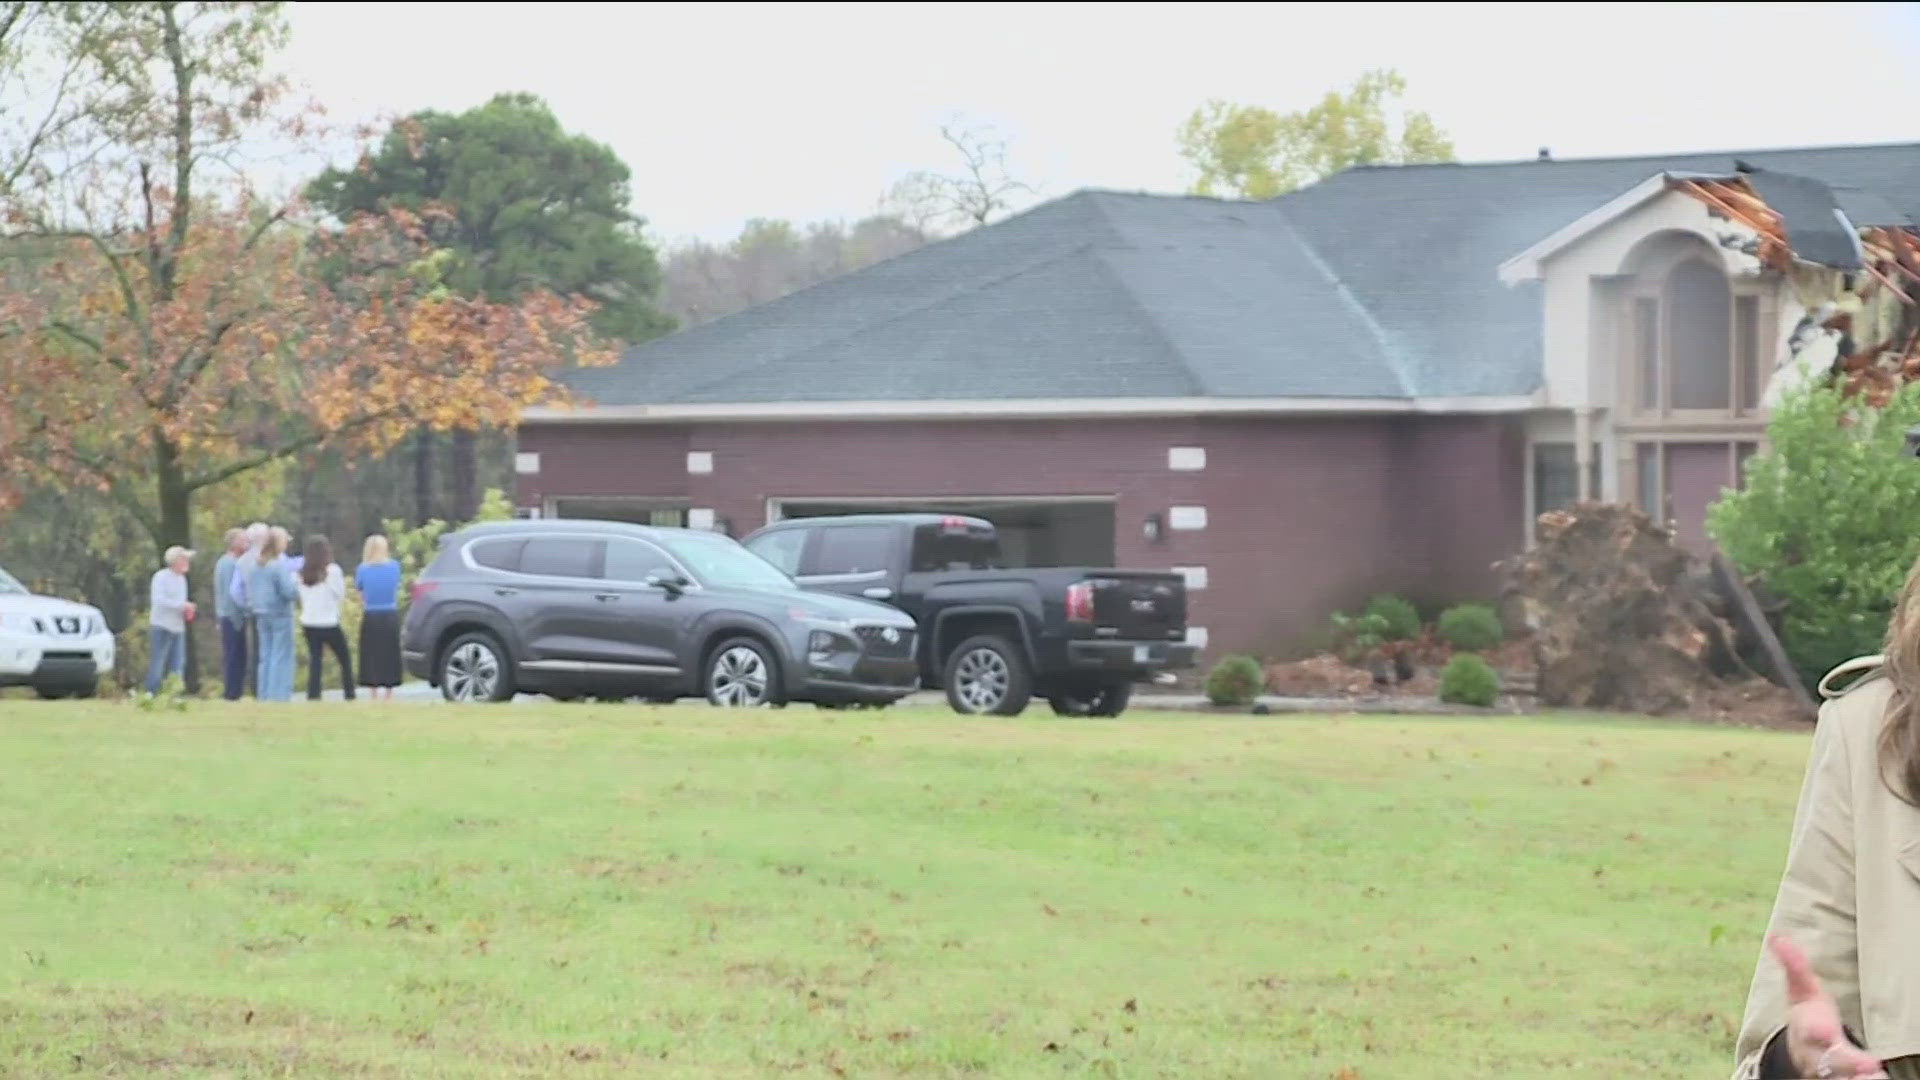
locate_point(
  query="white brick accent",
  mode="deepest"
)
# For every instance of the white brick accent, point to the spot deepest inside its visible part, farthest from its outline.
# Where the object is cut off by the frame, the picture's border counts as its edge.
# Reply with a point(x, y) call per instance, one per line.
point(1186, 458)
point(1196, 576)
point(1197, 636)
point(1187, 518)
point(700, 517)
point(699, 462)
point(526, 463)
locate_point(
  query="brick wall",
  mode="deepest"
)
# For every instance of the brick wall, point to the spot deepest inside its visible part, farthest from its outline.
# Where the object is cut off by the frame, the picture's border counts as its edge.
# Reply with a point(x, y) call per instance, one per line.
point(1302, 515)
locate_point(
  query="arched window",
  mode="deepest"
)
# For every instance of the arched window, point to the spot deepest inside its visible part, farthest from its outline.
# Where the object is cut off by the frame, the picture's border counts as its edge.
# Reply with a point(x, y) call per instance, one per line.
point(1699, 337)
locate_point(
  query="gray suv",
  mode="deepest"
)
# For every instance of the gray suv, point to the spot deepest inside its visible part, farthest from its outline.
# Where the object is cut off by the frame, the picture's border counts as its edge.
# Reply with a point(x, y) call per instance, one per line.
point(596, 608)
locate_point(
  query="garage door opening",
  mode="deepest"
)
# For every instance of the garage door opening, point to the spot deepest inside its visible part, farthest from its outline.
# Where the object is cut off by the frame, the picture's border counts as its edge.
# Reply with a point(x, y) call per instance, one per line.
point(1038, 532)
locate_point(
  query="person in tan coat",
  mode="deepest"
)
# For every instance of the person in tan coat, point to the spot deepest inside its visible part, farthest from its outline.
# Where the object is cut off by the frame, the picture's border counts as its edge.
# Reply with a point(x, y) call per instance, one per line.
point(1837, 989)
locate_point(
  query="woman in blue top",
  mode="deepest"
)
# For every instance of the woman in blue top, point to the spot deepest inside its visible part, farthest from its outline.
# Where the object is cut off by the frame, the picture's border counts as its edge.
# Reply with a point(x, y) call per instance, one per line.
point(378, 579)
point(270, 596)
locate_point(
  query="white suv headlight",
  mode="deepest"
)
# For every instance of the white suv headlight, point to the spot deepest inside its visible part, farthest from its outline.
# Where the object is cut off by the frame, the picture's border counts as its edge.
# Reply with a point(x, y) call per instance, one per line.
point(20, 623)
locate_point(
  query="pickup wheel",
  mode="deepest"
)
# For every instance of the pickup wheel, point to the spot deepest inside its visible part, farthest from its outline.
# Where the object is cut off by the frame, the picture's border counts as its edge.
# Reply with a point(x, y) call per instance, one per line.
point(988, 676)
point(1109, 699)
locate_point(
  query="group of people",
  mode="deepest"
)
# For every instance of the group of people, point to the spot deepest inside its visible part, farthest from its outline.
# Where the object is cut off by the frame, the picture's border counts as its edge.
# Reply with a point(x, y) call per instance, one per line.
point(260, 590)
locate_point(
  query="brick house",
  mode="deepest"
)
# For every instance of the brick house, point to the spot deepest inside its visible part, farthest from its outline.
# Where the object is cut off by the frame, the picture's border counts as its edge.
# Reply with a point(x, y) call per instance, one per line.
point(1376, 382)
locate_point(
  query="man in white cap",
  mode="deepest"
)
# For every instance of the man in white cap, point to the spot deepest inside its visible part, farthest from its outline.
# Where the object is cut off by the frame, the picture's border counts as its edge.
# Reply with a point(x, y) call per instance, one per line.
point(167, 618)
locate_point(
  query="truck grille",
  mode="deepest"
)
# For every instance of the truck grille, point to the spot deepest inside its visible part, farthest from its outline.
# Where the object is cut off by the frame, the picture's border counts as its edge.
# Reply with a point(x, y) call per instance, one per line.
point(873, 640)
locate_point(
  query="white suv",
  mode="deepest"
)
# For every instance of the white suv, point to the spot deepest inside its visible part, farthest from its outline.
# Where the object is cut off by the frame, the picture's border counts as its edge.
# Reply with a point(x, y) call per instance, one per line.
point(58, 647)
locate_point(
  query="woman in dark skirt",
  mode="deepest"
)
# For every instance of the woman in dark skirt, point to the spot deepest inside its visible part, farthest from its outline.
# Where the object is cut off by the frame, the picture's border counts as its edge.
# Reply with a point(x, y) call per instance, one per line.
point(378, 579)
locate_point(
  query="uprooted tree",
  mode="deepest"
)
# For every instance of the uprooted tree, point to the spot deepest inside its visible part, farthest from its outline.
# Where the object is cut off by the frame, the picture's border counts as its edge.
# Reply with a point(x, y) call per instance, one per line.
point(1621, 616)
point(163, 330)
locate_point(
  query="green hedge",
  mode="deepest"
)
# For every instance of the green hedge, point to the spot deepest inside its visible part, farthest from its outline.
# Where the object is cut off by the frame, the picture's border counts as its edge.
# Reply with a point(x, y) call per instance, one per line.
point(1469, 680)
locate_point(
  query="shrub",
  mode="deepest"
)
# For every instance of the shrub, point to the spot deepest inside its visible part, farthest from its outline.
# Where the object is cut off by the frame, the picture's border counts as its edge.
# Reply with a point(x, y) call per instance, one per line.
point(1235, 680)
point(1827, 520)
point(1471, 627)
point(413, 548)
point(1356, 638)
point(1469, 680)
point(1401, 620)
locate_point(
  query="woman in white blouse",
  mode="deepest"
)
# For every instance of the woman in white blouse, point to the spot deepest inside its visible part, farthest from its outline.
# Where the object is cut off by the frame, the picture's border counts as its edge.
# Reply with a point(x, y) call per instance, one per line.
point(323, 589)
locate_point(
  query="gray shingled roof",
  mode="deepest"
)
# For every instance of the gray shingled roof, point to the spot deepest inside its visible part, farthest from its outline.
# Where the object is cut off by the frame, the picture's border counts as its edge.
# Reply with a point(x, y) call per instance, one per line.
point(1377, 283)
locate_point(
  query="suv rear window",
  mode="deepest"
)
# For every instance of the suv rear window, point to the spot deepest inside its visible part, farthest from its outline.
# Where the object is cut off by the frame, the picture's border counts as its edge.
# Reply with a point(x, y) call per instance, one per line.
point(558, 557)
point(497, 554)
point(849, 549)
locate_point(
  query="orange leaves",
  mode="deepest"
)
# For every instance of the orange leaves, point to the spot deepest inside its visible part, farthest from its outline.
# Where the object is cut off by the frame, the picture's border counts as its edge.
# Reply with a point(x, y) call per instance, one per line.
point(266, 337)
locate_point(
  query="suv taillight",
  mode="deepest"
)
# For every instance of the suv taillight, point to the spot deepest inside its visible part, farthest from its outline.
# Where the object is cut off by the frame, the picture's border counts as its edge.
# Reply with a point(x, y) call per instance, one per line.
point(421, 589)
point(1080, 602)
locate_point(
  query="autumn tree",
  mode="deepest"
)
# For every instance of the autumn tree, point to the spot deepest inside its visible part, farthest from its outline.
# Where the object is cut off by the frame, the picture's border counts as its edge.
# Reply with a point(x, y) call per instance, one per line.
point(165, 328)
point(528, 206)
point(1252, 152)
point(965, 197)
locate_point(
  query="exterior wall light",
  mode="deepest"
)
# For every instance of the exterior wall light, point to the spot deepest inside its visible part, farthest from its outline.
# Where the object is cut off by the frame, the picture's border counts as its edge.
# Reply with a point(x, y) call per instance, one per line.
point(1154, 528)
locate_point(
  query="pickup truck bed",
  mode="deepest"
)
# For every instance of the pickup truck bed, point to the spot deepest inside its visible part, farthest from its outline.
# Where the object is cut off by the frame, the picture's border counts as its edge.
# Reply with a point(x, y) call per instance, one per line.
point(994, 637)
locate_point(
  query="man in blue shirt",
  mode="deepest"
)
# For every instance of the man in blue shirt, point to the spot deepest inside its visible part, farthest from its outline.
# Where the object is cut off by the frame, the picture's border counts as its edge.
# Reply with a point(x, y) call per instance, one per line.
point(251, 541)
point(232, 616)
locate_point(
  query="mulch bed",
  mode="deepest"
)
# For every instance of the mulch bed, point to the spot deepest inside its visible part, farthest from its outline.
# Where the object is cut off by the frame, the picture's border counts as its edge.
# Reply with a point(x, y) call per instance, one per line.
point(1755, 703)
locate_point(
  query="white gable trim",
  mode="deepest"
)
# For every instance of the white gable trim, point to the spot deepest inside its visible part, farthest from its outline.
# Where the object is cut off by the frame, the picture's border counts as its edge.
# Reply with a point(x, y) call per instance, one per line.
point(1038, 408)
point(1526, 265)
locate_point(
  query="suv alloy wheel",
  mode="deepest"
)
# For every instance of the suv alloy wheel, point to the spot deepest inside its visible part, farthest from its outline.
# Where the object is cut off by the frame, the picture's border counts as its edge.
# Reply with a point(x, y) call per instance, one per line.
point(474, 668)
point(741, 674)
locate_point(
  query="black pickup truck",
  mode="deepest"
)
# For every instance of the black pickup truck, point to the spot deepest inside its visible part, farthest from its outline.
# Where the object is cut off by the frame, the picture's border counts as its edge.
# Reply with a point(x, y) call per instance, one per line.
point(994, 637)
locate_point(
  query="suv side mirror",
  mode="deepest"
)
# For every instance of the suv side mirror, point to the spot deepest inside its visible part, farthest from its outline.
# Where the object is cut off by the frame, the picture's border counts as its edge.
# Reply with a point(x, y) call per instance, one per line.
point(671, 584)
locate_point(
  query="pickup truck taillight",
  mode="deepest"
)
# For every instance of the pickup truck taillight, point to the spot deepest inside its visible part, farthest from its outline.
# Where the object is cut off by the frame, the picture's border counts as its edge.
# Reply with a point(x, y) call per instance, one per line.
point(1080, 602)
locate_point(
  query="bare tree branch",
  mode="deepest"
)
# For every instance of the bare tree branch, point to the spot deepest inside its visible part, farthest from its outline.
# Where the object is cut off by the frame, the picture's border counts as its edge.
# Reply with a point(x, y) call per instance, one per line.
point(981, 190)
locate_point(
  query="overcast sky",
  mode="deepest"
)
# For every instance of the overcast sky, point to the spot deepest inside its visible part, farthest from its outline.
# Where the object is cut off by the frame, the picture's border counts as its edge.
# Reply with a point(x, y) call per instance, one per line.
point(727, 112)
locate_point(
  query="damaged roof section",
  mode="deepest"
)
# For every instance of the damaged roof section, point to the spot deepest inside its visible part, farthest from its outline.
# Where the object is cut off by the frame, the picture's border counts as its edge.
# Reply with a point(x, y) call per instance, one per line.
point(1800, 220)
point(1852, 260)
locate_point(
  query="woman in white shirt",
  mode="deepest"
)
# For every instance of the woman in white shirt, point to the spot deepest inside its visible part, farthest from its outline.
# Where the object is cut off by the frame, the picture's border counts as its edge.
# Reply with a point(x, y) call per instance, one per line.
point(323, 589)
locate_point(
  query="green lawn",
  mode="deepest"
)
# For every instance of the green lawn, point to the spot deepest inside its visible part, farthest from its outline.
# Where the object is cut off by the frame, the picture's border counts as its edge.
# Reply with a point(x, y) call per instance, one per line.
point(598, 891)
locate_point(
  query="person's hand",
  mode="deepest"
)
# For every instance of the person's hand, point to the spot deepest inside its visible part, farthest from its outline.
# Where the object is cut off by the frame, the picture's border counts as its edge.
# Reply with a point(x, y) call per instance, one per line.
point(189, 609)
point(1816, 1041)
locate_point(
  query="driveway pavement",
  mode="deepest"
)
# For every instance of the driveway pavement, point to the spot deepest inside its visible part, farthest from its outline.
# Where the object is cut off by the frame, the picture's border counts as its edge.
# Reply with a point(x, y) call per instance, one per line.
point(420, 693)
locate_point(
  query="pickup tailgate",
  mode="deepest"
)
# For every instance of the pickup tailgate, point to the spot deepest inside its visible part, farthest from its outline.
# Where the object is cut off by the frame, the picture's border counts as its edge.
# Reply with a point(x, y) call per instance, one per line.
point(1139, 605)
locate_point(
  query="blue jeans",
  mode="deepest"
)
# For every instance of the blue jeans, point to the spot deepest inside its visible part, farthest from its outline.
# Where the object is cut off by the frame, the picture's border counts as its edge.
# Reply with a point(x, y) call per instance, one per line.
point(233, 655)
point(169, 656)
point(274, 680)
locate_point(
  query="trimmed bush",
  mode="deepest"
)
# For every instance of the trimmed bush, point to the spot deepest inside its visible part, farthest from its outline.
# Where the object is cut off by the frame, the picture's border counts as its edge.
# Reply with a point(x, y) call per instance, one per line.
point(1235, 680)
point(1471, 627)
point(1399, 618)
point(1469, 680)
